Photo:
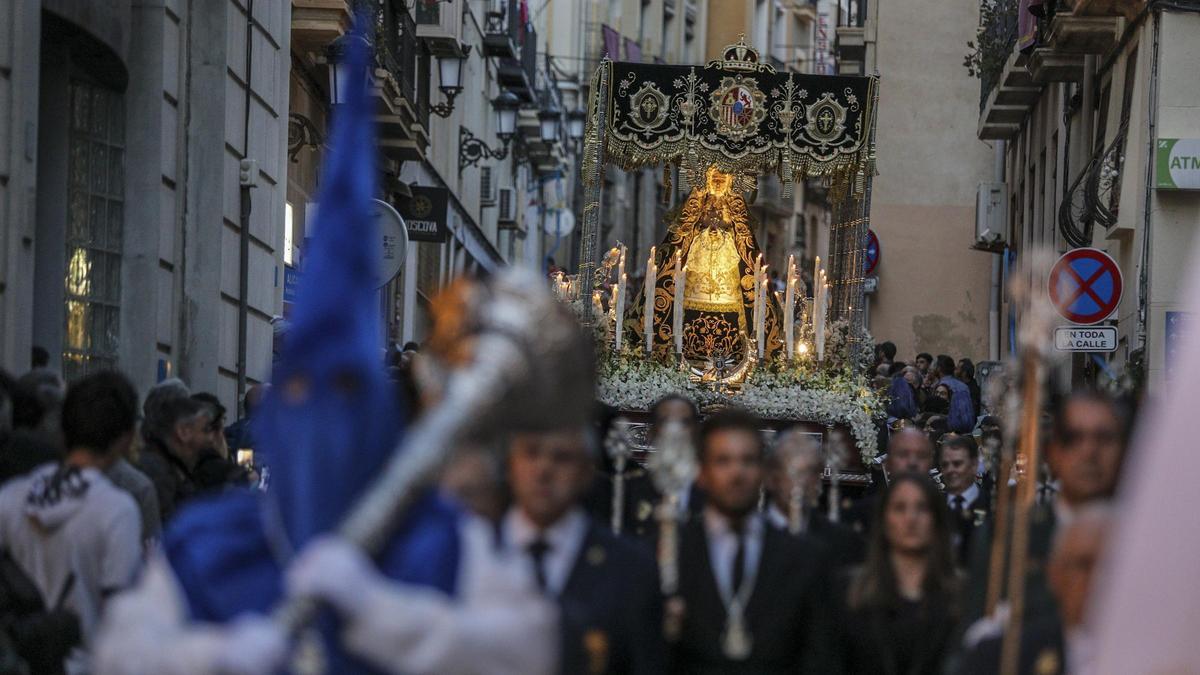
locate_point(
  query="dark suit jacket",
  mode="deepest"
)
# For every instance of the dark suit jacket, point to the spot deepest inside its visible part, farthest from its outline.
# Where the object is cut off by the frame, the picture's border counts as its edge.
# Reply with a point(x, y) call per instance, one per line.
point(843, 545)
point(970, 524)
point(786, 615)
point(612, 609)
point(878, 641)
point(1042, 652)
point(1039, 603)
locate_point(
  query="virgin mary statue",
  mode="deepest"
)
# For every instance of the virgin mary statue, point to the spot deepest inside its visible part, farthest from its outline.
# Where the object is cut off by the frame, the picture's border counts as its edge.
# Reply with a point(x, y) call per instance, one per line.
point(714, 235)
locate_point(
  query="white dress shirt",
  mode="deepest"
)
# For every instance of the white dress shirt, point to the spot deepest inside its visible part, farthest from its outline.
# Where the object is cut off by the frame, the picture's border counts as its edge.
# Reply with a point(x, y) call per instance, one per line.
point(969, 496)
point(564, 540)
point(723, 545)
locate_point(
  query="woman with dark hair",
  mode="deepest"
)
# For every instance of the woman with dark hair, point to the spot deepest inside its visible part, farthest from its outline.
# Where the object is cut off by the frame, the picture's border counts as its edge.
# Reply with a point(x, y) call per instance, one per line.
point(900, 607)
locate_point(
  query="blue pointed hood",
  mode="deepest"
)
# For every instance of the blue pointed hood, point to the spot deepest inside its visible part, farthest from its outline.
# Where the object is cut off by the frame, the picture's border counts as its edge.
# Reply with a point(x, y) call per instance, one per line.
point(331, 419)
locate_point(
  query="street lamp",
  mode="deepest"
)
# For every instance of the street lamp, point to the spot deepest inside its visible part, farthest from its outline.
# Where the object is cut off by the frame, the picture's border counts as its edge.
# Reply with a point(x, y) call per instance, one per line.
point(576, 124)
point(450, 80)
point(506, 105)
point(472, 149)
point(339, 72)
point(548, 122)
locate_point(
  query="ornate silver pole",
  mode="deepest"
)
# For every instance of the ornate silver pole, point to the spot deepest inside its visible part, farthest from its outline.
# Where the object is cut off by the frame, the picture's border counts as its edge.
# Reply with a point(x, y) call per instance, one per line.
point(619, 449)
point(592, 170)
point(529, 369)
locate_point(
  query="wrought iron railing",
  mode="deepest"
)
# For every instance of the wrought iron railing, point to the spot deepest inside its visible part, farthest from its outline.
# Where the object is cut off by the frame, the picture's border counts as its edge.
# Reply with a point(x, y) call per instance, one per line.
point(1094, 198)
point(396, 40)
point(995, 45)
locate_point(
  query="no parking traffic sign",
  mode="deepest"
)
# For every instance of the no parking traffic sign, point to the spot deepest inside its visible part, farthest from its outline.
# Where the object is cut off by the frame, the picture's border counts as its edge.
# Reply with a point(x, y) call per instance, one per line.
point(1085, 285)
point(872, 260)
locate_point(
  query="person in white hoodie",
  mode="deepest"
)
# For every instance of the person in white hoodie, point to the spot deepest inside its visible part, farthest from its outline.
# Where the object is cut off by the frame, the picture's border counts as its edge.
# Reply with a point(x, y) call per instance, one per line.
point(73, 533)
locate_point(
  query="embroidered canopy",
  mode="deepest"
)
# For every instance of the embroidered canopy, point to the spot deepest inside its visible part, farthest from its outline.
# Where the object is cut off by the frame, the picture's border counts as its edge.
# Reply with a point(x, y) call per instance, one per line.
point(736, 113)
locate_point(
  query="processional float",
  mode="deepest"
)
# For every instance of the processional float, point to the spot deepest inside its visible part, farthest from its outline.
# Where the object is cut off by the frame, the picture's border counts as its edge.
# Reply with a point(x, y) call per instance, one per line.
point(705, 320)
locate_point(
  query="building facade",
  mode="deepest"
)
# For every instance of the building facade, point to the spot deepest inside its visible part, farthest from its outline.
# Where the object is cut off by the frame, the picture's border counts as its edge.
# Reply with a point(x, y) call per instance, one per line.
point(929, 164)
point(1082, 105)
point(133, 233)
point(160, 165)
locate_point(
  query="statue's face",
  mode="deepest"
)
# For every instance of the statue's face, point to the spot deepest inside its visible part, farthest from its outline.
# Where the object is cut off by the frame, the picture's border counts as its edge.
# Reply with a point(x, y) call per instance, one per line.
point(718, 182)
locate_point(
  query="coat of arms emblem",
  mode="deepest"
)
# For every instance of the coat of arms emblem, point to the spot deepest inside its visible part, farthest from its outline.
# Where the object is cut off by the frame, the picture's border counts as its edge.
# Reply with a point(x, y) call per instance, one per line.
point(737, 107)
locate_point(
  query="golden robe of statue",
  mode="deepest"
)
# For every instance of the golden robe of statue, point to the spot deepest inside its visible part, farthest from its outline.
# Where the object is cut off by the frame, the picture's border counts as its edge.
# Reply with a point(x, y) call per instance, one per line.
point(713, 232)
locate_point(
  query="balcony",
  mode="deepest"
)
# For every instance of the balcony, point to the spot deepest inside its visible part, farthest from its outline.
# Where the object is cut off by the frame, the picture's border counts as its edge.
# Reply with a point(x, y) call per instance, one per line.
point(544, 157)
point(401, 84)
point(1047, 64)
point(1075, 34)
point(519, 74)
point(1125, 8)
point(806, 10)
point(439, 24)
point(1008, 97)
point(850, 41)
point(501, 33)
point(317, 23)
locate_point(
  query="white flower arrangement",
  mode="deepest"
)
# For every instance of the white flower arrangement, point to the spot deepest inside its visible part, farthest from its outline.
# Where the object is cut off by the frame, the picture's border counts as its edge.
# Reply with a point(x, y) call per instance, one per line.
point(800, 391)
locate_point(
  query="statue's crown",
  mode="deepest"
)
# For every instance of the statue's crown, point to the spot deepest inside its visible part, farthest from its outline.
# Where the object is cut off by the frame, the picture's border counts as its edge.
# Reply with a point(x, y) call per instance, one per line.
point(740, 56)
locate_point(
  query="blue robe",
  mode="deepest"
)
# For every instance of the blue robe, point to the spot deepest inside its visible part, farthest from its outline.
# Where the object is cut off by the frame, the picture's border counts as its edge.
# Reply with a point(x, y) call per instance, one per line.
point(962, 411)
point(218, 549)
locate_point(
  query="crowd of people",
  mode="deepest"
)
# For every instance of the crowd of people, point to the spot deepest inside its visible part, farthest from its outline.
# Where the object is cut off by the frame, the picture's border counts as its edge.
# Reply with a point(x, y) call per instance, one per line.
point(94, 479)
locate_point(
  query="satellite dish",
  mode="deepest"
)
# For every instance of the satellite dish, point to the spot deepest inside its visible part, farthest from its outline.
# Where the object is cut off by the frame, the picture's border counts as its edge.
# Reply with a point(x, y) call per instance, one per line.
point(393, 241)
point(560, 222)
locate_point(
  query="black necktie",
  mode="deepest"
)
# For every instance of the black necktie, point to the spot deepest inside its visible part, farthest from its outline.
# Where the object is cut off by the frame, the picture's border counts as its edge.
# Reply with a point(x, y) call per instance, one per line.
point(739, 562)
point(537, 550)
point(959, 501)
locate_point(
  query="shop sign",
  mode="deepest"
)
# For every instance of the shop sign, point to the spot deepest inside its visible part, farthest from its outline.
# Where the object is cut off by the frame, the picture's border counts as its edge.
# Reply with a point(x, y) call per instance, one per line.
point(426, 214)
point(1177, 164)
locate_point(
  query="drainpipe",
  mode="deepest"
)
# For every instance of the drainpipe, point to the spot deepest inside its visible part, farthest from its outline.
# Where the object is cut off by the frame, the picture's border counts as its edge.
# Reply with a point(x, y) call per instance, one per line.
point(994, 294)
point(244, 224)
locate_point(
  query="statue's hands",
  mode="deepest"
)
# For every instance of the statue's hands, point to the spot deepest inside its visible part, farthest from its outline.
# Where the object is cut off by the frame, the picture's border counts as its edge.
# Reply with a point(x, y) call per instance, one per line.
point(331, 570)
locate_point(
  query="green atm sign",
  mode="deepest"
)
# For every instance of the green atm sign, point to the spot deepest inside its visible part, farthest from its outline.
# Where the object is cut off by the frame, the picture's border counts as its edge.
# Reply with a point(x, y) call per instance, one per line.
point(1177, 164)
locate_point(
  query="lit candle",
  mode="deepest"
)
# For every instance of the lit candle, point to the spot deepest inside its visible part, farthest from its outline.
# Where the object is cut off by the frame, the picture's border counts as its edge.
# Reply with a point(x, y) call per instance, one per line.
point(680, 281)
point(757, 299)
point(648, 315)
point(761, 334)
point(789, 308)
point(597, 303)
point(819, 317)
point(620, 312)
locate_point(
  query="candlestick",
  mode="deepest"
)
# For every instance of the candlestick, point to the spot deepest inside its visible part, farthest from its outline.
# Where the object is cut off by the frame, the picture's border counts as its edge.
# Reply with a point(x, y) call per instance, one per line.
point(648, 310)
point(680, 282)
point(761, 328)
point(790, 309)
point(620, 329)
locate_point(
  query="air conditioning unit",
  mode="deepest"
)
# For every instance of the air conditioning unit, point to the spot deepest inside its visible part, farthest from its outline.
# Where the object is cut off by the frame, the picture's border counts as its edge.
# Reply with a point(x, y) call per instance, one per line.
point(991, 216)
point(487, 187)
point(506, 199)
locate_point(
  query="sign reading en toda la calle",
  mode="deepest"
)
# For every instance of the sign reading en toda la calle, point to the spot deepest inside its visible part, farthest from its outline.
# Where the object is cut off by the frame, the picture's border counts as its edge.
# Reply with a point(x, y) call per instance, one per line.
point(1177, 164)
point(1085, 339)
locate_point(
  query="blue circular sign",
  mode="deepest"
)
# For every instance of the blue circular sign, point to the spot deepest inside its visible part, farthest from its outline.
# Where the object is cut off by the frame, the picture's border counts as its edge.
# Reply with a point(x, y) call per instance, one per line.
point(1085, 285)
point(872, 260)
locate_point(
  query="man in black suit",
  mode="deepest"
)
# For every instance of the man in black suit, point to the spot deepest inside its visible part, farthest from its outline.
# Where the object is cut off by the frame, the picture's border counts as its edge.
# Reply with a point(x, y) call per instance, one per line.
point(751, 596)
point(909, 450)
point(794, 459)
point(607, 588)
point(969, 505)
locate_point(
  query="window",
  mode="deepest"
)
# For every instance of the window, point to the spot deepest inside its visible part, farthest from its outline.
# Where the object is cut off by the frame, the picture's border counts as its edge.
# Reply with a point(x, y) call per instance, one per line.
point(288, 235)
point(95, 220)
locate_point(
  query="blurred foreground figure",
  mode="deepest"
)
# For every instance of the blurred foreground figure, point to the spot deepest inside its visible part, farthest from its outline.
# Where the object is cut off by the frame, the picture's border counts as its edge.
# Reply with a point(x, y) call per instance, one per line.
point(1146, 618)
point(71, 539)
point(1059, 642)
point(433, 596)
point(607, 587)
point(752, 597)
